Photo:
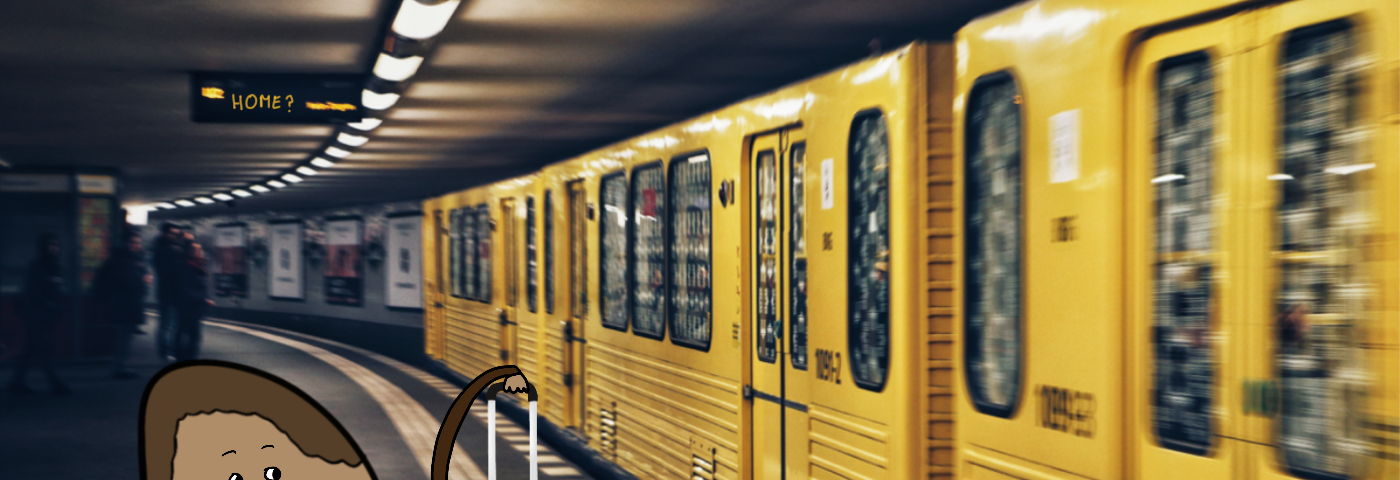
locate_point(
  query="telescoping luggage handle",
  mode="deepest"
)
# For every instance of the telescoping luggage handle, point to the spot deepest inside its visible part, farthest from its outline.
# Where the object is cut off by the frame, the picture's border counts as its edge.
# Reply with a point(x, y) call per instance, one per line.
point(447, 433)
point(491, 431)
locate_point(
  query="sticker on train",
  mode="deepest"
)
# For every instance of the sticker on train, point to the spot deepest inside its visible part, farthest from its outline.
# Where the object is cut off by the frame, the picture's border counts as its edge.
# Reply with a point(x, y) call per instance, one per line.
point(1066, 410)
point(1064, 146)
point(828, 190)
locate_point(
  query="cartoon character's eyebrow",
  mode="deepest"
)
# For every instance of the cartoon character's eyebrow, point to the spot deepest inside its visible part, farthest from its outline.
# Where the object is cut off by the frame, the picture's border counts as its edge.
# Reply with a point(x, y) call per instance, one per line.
point(267, 446)
point(228, 452)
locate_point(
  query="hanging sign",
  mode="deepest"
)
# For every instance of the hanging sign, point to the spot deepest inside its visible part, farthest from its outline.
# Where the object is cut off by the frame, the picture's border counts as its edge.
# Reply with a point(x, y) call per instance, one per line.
point(284, 271)
point(231, 249)
point(344, 285)
point(403, 262)
point(276, 98)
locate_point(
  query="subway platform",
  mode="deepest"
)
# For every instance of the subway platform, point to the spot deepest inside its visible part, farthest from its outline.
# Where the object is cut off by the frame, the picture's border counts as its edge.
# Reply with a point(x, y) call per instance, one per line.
point(393, 410)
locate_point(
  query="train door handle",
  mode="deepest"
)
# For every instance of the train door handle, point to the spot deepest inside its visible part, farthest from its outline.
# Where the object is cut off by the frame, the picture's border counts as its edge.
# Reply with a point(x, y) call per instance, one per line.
point(748, 392)
point(505, 318)
point(568, 330)
point(437, 304)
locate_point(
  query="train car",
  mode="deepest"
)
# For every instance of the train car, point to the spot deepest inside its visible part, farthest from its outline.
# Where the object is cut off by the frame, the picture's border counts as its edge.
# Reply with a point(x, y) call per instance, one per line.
point(761, 292)
point(1177, 243)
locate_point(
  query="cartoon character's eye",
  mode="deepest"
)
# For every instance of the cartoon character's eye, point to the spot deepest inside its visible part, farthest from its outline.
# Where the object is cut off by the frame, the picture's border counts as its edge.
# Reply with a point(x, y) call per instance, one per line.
point(235, 477)
point(271, 473)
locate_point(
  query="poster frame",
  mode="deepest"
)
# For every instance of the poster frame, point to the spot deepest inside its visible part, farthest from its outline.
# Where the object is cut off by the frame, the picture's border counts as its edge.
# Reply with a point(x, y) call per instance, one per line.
point(301, 267)
point(359, 258)
point(246, 269)
point(388, 285)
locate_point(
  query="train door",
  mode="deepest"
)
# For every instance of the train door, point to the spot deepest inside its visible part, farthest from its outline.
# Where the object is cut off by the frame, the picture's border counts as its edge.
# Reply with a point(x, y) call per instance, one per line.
point(574, 339)
point(511, 268)
point(435, 292)
point(778, 392)
point(1186, 324)
point(1323, 181)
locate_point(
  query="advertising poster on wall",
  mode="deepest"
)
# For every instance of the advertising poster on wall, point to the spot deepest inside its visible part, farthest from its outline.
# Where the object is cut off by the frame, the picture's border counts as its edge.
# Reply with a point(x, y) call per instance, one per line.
point(284, 272)
point(403, 264)
point(344, 284)
point(231, 251)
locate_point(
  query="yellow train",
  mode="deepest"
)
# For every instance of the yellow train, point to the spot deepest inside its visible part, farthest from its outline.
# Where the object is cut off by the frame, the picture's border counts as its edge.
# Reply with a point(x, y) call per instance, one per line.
point(1084, 240)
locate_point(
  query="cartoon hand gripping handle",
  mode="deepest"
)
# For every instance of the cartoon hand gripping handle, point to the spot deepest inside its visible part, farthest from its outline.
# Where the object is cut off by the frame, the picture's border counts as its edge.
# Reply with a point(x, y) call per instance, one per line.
point(515, 383)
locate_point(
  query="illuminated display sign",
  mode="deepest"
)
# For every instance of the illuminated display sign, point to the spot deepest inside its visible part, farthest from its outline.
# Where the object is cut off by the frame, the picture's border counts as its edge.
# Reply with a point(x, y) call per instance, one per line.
point(275, 98)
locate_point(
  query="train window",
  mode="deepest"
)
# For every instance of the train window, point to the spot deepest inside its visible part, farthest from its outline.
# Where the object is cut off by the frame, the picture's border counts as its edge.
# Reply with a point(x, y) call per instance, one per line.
point(1183, 379)
point(578, 249)
point(797, 344)
point(467, 270)
point(1322, 218)
point(612, 227)
point(484, 275)
point(531, 263)
point(769, 326)
point(992, 252)
point(690, 250)
point(454, 252)
point(649, 251)
point(869, 223)
point(548, 251)
point(437, 245)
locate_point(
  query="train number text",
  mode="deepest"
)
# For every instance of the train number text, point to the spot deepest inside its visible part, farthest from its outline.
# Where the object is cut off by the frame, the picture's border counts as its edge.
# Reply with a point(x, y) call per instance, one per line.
point(1066, 410)
point(829, 366)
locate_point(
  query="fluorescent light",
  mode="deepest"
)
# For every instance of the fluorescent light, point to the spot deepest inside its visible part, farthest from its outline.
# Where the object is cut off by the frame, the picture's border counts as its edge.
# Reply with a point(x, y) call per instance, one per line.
point(366, 124)
point(223, 197)
point(166, 205)
point(242, 193)
point(1349, 169)
point(380, 101)
point(305, 170)
point(291, 178)
point(337, 152)
point(396, 69)
point(276, 184)
point(1280, 176)
point(184, 203)
point(418, 21)
point(259, 189)
point(351, 140)
point(1170, 177)
point(321, 162)
point(204, 200)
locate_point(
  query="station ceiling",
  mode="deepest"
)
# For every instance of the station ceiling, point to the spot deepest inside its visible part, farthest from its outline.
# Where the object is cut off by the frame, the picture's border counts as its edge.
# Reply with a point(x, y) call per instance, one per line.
point(509, 86)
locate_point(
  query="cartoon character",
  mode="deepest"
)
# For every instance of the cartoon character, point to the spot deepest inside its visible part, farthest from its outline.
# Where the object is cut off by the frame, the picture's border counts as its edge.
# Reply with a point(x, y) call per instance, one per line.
point(235, 422)
point(238, 423)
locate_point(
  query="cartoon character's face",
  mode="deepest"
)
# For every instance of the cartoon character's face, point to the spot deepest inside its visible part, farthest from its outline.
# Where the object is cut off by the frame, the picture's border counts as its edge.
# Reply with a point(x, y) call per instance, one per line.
point(232, 446)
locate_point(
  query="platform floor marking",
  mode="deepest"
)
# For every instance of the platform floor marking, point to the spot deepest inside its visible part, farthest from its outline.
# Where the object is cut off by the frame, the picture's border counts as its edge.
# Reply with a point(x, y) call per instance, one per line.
point(418, 428)
point(558, 471)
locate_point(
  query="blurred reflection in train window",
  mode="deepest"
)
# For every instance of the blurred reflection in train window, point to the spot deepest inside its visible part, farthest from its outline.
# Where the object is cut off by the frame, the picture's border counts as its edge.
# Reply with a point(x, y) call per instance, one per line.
point(468, 256)
point(992, 232)
point(769, 325)
point(1324, 212)
point(548, 251)
point(531, 262)
point(649, 251)
point(454, 229)
point(1183, 304)
point(798, 249)
point(690, 251)
point(613, 228)
point(483, 275)
point(868, 327)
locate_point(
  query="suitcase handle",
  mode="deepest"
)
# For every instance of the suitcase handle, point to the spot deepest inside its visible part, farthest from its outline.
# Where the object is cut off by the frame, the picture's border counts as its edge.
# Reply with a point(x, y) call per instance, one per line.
point(447, 433)
point(491, 393)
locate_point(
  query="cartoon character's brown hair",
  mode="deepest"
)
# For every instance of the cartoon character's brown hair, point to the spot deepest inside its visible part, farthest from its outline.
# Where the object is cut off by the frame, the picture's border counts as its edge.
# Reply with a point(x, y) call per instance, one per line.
point(206, 386)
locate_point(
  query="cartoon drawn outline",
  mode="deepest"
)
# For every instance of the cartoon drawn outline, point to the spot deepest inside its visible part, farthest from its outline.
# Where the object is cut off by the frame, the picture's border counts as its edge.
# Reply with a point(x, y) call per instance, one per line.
point(199, 389)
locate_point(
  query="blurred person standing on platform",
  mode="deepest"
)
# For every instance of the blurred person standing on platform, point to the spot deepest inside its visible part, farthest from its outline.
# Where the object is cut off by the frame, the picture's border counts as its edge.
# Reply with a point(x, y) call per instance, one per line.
point(43, 298)
point(192, 301)
point(121, 288)
point(169, 255)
